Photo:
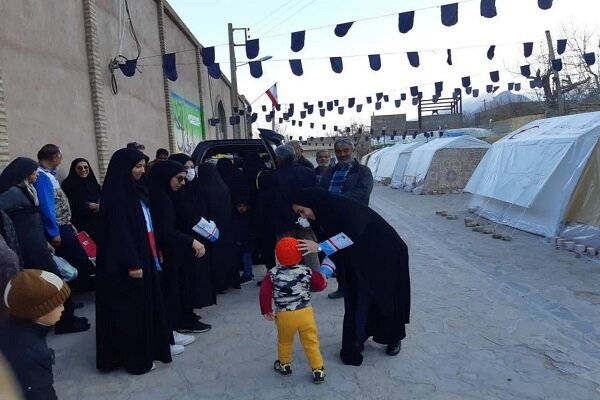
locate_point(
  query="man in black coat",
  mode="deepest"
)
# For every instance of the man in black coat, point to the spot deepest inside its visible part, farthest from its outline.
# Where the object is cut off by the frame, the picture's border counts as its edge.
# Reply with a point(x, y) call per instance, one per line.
point(350, 179)
point(298, 154)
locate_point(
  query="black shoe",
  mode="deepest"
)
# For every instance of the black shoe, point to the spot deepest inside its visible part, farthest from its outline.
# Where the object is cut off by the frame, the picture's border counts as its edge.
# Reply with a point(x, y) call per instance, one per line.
point(336, 295)
point(283, 369)
point(393, 349)
point(71, 325)
point(318, 375)
point(244, 280)
point(195, 327)
point(197, 317)
point(258, 283)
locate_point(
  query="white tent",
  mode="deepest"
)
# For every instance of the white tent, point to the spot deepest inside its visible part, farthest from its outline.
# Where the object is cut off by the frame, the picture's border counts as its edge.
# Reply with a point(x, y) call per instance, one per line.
point(443, 165)
point(528, 178)
point(365, 159)
point(390, 159)
point(374, 159)
point(475, 132)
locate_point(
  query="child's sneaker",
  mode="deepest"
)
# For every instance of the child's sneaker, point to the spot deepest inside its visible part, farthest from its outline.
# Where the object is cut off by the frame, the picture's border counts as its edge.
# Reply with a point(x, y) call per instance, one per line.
point(318, 375)
point(283, 369)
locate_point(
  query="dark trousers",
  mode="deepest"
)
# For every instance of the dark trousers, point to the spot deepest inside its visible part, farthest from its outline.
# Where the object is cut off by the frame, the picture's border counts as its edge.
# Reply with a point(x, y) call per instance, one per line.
point(71, 250)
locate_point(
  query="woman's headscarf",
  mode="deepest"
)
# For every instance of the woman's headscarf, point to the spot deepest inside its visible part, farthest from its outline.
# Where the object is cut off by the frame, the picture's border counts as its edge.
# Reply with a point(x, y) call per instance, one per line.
point(159, 183)
point(80, 189)
point(181, 158)
point(16, 172)
point(119, 186)
point(234, 179)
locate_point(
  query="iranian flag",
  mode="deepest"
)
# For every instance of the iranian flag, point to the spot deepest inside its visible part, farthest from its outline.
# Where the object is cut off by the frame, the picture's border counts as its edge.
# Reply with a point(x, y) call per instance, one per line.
point(272, 93)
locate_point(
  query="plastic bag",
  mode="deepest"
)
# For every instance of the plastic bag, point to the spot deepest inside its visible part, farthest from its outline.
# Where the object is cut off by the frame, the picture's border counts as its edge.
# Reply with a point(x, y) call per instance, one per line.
point(65, 270)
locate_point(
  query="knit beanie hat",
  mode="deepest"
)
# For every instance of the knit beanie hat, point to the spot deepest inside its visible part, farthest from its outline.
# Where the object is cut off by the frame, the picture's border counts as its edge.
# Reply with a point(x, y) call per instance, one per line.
point(32, 293)
point(287, 252)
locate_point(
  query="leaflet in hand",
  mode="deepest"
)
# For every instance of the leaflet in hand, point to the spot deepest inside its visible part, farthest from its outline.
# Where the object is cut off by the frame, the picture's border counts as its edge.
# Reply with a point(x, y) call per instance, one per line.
point(335, 243)
point(207, 229)
point(327, 267)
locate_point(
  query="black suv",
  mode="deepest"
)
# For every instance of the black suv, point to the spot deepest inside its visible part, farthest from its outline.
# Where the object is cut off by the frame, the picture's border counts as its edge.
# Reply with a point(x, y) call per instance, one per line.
point(236, 148)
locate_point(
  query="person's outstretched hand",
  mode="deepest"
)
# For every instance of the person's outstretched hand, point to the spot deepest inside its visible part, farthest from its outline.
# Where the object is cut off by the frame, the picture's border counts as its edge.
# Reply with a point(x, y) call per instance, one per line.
point(307, 246)
point(269, 316)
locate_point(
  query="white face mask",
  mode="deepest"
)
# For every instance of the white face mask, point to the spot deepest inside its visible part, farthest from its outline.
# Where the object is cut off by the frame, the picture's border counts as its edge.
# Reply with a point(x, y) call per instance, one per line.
point(191, 174)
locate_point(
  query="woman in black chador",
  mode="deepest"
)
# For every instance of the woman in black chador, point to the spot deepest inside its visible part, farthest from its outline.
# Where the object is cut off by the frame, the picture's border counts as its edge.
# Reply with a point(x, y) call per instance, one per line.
point(214, 191)
point(131, 329)
point(83, 191)
point(377, 296)
point(166, 178)
point(191, 206)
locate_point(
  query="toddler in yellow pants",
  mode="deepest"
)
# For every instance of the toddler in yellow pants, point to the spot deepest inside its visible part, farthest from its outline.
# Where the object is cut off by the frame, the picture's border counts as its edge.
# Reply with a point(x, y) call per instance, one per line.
point(288, 285)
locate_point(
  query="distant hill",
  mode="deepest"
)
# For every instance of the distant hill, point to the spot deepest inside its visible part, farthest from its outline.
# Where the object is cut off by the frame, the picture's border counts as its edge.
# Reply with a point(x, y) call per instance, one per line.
point(474, 105)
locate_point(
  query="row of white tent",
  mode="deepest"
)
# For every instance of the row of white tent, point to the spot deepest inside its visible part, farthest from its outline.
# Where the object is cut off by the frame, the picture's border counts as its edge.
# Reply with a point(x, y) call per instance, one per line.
point(543, 178)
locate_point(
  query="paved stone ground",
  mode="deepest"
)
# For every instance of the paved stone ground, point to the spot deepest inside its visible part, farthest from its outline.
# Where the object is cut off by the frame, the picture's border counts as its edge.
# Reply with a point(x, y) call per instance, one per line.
point(490, 320)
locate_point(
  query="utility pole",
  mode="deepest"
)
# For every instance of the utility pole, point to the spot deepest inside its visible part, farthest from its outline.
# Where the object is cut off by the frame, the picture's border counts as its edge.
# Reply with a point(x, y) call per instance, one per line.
point(233, 68)
point(557, 83)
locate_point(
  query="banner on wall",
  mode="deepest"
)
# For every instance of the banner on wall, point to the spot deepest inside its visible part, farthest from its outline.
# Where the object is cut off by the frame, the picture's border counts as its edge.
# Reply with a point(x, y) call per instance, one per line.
point(188, 123)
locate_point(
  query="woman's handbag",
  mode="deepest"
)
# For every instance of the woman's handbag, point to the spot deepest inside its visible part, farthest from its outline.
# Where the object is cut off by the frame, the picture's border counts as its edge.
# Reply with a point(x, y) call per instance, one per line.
point(66, 270)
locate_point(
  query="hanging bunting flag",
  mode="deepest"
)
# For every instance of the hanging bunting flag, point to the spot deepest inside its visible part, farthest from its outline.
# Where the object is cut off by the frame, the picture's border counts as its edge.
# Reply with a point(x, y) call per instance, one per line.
point(466, 81)
point(369, 100)
point(300, 124)
point(320, 103)
point(511, 85)
point(286, 116)
point(169, 67)
point(527, 49)
point(386, 98)
point(545, 4)
point(415, 101)
point(536, 83)
point(449, 58)
point(414, 91)
point(557, 65)
point(351, 102)
point(383, 132)
point(256, 69)
point(322, 112)
point(264, 108)
point(290, 111)
point(297, 41)
point(402, 96)
point(129, 67)
point(406, 21)
point(435, 98)
point(253, 118)
point(302, 114)
point(517, 87)
point(252, 48)
point(272, 113)
point(397, 103)
point(413, 58)
point(293, 122)
point(324, 126)
point(212, 122)
point(305, 105)
point(234, 120)
point(272, 94)
point(330, 106)
point(450, 14)
point(312, 125)
point(336, 102)
point(495, 76)
point(358, 108)
point(296, 67)
point(590, 58)
point(214, 71)
point(378, 96)
point(268, 118)
point(488, 8)
point(468, 90)
point(378, 106)
point(336, 64)
point(335, 128)
point(340, 110)
point(278, 106)
point(475, 92)
point(375, 61)
point(208, 56)
point(561, 46)
point(526, 70)
point(439, 87)
point(241, 112)
point(490, 52)
point(489, 88)
point(495, 88)
point(310, 109)
point(281, 120)
point(342, 29)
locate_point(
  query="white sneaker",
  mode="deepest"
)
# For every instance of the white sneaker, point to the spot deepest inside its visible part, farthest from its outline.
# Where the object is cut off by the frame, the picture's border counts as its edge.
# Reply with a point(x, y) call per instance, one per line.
point(182, 339)
point(153, 366)
point(176, 349)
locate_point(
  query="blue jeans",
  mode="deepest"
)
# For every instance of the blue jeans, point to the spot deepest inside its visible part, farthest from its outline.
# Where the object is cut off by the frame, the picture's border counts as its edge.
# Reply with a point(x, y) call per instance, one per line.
point(247, 263)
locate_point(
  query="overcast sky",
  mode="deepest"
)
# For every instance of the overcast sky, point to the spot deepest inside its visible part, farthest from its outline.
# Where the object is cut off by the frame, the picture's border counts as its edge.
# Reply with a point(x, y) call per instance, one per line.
point(375, 32)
